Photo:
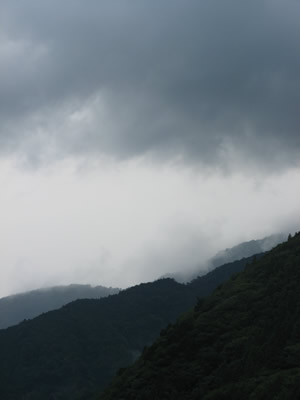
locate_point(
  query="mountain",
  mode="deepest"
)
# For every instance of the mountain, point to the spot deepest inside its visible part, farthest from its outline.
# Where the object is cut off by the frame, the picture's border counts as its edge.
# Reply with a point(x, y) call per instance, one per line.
point(204, 285)
point(16, 308)
point(246, 249)
point(242, 342)
point(242, 250)
point(73, 352)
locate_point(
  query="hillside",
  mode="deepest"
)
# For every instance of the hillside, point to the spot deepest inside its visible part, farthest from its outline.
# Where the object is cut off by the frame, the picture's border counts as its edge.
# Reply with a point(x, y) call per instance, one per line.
point(75, 351)
point(229, 255)
point(242, 342)
point(246, 249)
point(16, 308)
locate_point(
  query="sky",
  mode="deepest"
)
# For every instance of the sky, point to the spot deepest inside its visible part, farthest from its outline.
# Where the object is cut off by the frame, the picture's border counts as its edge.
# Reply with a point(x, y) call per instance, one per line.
point(139, 138)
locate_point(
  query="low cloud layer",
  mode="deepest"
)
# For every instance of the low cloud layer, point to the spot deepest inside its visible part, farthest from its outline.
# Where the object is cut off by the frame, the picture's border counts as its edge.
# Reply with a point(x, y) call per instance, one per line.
point(138, 138)
point(207, 81)
point(119, 226)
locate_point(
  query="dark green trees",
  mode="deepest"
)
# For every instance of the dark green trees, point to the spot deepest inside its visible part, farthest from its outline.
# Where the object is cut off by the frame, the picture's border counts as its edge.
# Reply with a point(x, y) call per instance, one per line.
point(242, 342)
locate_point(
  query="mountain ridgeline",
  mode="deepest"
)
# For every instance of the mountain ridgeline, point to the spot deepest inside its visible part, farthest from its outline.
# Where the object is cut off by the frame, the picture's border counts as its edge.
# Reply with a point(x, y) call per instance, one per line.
point(242, 250)
point(73, 352)
point(16, 308)
point(246, 249)
point(242, 342)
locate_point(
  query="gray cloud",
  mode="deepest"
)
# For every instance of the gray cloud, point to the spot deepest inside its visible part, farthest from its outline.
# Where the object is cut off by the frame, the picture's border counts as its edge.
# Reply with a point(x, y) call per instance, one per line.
point(204, 80)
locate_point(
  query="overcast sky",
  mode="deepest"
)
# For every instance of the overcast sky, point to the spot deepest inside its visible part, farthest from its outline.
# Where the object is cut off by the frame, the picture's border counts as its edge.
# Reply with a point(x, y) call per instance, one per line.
point(140, 137)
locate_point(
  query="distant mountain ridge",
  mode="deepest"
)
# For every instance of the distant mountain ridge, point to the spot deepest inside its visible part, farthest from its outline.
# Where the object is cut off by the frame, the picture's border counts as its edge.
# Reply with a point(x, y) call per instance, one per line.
point(246, 249)
point(14, 309)
point(27, 305)
point(242, 250)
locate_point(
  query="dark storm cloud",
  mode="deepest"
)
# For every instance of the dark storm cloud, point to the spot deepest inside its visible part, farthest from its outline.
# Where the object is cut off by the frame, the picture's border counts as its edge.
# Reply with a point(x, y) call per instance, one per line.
point(202, 79)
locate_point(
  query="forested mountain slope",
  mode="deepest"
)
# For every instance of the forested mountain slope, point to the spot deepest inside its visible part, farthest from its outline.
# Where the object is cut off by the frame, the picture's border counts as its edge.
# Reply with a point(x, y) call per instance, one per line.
point(229, 255)
point(73, 352)
point(246, 249)
point(27, 305)
point(242, 342)
point(16, 308)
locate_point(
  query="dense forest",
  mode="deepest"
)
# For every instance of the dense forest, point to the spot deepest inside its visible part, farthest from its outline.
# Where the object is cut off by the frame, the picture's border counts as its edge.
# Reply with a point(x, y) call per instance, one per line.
point(73, 352)
point(242, 342)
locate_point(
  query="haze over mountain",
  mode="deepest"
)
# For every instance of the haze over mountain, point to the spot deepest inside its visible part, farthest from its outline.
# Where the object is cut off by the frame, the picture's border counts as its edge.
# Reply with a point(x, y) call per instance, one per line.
point(138, 137)
point(241, 250)
point(246, 249)
point(16, 308)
